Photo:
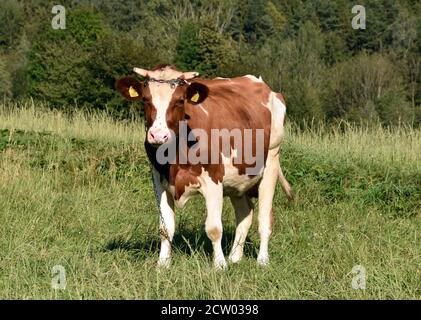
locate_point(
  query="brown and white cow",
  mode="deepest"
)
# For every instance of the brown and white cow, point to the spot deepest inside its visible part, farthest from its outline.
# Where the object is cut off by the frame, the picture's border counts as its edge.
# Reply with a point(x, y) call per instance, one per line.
point(173, 98)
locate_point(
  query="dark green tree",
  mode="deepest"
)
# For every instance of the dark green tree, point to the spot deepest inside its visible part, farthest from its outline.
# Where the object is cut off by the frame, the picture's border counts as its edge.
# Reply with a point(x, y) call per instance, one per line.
point(59, 60)
point(11, 23)
point(187, 54)
point(5, 79)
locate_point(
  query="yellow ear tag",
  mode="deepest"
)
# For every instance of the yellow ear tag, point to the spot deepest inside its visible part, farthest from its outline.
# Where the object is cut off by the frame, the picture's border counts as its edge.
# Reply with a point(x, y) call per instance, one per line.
point(132, 92)
point(196, 97)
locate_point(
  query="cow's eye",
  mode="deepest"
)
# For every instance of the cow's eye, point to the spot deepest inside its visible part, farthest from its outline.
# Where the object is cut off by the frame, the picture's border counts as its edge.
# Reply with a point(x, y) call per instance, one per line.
point(180, 102)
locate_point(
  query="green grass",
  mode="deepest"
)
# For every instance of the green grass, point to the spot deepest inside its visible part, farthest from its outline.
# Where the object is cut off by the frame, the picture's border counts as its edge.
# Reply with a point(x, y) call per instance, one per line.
point(78, 193)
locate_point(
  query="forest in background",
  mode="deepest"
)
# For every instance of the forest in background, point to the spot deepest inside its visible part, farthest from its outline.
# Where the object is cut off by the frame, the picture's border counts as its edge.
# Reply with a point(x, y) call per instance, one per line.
point(307, 50)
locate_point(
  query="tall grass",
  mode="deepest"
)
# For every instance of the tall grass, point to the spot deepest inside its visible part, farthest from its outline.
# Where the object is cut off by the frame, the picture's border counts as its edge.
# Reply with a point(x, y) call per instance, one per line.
point(78, 124)
point(389, 146)
point(397, 146)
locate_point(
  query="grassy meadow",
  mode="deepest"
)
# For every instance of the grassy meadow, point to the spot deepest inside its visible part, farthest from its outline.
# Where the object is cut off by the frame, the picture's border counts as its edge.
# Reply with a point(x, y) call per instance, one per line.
point(77, 192)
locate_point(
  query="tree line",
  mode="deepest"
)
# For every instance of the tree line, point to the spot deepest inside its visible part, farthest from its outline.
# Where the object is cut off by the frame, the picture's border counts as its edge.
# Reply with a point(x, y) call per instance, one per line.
point(305, 49)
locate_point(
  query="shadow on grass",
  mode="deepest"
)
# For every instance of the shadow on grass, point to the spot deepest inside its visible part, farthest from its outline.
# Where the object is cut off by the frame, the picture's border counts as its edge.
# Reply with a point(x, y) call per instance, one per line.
point(186, 241)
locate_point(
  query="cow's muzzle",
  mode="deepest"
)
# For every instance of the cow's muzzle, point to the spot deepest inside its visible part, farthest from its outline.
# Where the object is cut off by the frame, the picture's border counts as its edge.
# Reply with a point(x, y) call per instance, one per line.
point(158, 136)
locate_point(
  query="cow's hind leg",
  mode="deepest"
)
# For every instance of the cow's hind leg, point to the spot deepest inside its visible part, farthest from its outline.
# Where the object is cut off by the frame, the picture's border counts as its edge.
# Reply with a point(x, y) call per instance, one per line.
point(266, 191)
point(213, 194)
point(243, 215)
point(166, 220)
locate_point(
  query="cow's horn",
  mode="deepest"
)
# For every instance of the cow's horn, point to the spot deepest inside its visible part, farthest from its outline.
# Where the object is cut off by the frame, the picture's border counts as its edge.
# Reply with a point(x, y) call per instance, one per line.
point(190, 75)
point(141, 72)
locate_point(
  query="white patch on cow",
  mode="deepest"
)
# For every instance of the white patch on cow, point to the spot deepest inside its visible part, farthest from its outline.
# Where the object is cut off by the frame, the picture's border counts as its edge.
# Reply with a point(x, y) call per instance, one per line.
point(162, 93)
point(203, 109)
point(278, 110)
point(233, 179)
point(161, 98)
point(254, 78)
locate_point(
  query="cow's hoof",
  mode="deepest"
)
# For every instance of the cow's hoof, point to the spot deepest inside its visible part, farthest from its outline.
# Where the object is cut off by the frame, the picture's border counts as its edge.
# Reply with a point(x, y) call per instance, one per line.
point(220, 264)
point(163, 263)
point(235, 257)
point(263, 260)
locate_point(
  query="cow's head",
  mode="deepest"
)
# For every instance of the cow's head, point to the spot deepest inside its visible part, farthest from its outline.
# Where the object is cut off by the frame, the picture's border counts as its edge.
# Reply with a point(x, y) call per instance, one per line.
point(165, 92)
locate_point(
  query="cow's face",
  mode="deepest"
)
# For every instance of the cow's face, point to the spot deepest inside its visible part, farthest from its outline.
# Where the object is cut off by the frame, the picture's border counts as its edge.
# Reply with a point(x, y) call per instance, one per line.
point(164, 92)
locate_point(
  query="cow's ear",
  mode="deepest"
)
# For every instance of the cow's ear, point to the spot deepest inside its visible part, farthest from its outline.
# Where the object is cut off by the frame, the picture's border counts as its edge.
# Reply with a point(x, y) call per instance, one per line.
point(130, 88)
point(196, 93)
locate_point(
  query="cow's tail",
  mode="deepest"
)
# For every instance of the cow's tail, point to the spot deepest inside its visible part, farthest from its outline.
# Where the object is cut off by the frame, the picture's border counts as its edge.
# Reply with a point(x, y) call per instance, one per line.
point(285, 185)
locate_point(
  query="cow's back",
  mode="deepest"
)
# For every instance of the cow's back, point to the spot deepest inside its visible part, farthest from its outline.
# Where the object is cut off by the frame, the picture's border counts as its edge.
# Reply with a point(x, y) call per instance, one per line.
point(241, 102)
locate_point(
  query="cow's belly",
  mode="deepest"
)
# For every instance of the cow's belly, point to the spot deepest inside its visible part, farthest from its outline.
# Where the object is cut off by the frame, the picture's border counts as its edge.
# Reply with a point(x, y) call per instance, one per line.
point(189, 191)
point(233, 183)
point(237, 184)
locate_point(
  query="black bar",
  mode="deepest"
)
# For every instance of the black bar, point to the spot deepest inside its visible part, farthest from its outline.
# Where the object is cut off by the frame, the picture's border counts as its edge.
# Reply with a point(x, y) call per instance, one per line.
point(212, 309)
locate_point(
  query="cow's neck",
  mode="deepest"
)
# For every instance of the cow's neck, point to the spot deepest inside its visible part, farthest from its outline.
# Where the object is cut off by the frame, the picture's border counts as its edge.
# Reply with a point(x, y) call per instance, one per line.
point(164, 169)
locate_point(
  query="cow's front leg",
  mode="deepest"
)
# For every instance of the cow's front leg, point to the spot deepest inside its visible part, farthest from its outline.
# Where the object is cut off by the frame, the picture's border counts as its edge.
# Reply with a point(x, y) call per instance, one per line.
point(166, 220)
point(213, 193)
